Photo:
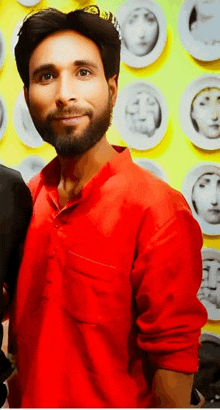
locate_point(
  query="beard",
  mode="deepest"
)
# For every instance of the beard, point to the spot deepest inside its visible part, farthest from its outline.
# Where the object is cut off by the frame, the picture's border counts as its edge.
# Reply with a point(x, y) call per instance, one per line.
point(71, 143)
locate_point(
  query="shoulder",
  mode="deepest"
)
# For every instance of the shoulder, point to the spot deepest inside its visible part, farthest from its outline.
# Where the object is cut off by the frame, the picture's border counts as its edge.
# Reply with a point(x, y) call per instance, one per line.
point(150, 190)
point(153, 198)
point(9, 173)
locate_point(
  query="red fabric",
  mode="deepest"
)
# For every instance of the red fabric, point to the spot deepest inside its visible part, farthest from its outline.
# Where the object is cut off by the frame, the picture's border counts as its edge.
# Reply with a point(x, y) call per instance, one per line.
point(111, 275)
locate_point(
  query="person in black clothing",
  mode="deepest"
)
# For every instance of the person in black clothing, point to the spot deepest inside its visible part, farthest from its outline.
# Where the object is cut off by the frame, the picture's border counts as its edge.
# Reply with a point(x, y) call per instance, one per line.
point(15, 213)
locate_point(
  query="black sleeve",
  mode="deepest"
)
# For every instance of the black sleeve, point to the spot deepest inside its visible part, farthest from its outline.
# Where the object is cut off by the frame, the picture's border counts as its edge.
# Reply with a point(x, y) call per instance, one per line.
point(18, 214)
point(15, 214)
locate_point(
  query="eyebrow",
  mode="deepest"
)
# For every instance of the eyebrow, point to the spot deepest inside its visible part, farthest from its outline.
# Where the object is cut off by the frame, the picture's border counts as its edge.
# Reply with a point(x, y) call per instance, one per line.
point(205, 179)
point(77, 63)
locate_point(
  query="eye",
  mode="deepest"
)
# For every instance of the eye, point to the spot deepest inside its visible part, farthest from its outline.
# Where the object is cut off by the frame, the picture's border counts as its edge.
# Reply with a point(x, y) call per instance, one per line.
point(133, 19)
point(84, 72)
point(46, 76)
point(201, 185)
point(201, 103)
point(150, 18)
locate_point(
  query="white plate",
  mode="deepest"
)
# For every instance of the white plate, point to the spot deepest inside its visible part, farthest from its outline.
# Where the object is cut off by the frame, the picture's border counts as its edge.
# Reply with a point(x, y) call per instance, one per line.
point(187, 187)
point(30, 166)
point(2, 49)
point(24, 125)
point(135, 134)
point(209, 337)
point(14, 38)
point(196, 137)
point(141, 58)
point(28, 3)
point(152, 166)
point(3, 117)
point(208, 51)
point(209, 292)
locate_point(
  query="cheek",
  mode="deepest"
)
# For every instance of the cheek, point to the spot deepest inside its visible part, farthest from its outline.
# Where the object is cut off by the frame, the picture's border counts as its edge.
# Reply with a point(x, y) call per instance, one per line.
point(40, 101)
point(200, 198)
point(129, 34)
point(95, 93)
point(152, 33)
point(200, 114)
point(156, 114)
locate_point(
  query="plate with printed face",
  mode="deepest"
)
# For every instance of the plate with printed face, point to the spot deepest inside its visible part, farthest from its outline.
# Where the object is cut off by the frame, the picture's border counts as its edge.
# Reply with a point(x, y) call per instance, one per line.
point(30, 166)
point(141, 115)
point(151, 166)
point(3, 118)
point(201, 188)
point(28, 3)
point(199, 28)
point(24, 125)
point(14, 38)
point(2, 49)
point(143, 31)
point(200, 112)
point(209, 292)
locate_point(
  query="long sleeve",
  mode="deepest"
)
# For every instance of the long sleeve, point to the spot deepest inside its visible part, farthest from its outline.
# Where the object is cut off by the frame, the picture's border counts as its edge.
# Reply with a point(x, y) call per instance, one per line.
point(166, 277)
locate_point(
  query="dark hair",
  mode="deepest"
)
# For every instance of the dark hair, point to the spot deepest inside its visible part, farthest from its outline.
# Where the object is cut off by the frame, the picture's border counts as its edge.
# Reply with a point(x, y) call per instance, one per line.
point(192, 18)
point(36, 27)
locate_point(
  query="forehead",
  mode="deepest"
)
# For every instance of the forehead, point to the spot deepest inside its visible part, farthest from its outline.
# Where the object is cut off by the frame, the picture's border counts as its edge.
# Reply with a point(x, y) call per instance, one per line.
point(208, 95)
point(140, 11)
point(142, 96)
point(64, 47)
point(208, 177)
point(211, 263)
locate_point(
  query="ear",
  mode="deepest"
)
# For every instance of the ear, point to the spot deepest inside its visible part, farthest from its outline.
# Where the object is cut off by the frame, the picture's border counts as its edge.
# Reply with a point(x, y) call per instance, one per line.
point(26, 95)
point(113, 89)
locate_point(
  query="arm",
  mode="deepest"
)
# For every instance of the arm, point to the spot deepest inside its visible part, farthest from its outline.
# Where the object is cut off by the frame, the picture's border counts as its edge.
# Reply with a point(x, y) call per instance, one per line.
point(171, 389)
point(166, 276)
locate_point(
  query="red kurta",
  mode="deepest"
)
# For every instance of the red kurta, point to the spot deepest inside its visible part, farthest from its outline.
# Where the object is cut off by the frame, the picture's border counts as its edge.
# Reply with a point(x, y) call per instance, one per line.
point(112, 275)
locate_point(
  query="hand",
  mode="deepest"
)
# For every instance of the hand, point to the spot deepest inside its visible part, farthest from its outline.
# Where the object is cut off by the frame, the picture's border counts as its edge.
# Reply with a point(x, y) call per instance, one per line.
point(200, 399)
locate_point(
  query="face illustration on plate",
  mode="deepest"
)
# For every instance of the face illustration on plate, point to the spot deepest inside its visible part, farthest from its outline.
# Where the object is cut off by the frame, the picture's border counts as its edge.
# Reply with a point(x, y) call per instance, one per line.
point(206, 197)
point(205, 112)
point(143, 113)
point(210, 286)
point(140, 31)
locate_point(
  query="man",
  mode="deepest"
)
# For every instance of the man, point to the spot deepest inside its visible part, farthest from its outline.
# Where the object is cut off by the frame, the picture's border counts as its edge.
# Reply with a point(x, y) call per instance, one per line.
point(15, 212)
point(106, 313)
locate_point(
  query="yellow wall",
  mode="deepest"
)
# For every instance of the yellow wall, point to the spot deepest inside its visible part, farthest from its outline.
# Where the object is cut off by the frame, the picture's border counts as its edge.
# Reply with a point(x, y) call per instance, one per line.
point(172, 72)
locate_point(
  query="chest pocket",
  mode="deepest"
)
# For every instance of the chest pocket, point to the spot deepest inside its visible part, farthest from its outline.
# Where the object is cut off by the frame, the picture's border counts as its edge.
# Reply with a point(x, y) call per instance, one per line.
point(88, 289)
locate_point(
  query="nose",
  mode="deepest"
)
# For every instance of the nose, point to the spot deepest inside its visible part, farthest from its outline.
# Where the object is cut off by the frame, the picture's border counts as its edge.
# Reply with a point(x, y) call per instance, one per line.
point(66, 92)
point(140, 30)
point(215, 115)
point(142, 111)
point(214, 198)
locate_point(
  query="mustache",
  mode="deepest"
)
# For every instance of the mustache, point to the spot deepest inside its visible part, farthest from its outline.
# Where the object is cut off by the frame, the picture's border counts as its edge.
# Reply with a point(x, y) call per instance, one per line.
point(70, 111)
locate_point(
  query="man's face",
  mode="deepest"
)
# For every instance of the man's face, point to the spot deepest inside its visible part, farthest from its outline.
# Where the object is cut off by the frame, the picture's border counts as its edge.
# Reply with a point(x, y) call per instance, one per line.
point(140, 31)
point(69, 98)
point(206, 113)
point(206, 195)
point(143, 112)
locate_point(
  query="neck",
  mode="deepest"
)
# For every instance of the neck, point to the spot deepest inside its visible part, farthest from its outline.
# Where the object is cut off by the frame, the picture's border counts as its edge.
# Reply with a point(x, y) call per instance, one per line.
point(77, 171)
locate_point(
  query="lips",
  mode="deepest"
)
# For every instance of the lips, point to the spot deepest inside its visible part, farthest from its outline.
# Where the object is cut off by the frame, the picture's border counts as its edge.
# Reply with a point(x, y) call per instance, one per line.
point(68, 120)
point(214, 126)
point(214, 211)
